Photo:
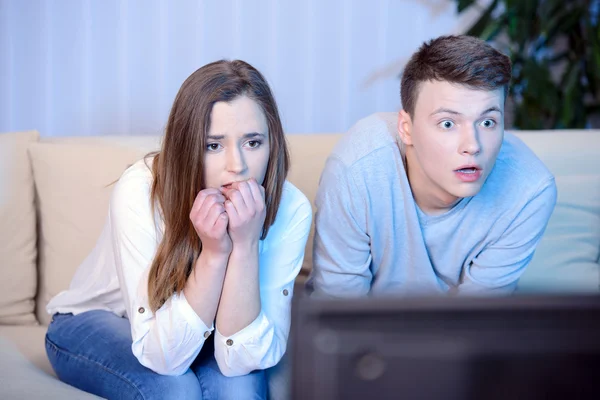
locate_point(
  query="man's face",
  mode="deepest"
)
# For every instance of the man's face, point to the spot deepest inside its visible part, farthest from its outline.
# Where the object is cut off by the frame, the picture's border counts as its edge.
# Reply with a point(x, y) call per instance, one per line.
point(454, 137)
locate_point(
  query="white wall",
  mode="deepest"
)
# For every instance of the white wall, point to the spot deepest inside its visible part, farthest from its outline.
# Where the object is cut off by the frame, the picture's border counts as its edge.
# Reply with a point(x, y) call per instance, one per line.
point(99, 67)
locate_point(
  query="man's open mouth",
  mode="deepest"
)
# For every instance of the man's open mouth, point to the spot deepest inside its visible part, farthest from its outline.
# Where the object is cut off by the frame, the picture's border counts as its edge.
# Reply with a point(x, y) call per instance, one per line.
point(471, 170)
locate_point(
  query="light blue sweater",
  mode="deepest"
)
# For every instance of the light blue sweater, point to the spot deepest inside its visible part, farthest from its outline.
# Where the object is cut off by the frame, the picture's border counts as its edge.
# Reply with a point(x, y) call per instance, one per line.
point(372, 238)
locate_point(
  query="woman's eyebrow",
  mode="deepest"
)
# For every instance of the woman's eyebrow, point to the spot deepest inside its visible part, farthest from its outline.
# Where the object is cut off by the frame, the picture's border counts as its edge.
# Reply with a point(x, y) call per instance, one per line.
point(216, 137)
point(250, 135)
point(253, 135)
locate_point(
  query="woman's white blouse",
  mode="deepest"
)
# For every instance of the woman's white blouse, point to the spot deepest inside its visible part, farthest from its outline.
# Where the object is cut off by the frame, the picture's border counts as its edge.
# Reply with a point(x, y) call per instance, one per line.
point(114, 277)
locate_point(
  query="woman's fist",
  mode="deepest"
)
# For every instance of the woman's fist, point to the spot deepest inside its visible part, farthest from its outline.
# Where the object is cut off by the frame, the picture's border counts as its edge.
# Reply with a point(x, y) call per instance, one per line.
point(210, 221)
point(246, 210)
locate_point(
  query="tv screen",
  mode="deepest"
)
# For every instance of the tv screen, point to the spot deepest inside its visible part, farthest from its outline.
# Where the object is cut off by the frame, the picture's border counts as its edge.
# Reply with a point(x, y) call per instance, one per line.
point(446, 348)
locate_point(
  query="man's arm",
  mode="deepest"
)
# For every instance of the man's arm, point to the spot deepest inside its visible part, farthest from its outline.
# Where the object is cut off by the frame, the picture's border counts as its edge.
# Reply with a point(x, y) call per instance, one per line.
point(497, 269)
point(341, 253)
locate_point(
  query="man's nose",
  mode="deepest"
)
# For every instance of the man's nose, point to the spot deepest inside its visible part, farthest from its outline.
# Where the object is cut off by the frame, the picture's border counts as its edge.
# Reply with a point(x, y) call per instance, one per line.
point(470, 142)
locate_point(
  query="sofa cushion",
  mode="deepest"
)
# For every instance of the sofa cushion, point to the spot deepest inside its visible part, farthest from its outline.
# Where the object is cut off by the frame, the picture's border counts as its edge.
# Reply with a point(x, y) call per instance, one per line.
point(20, 379)
point(308, 154)
point(30, 341)
point(18, 230)
point(73, 181)
point(567, 257)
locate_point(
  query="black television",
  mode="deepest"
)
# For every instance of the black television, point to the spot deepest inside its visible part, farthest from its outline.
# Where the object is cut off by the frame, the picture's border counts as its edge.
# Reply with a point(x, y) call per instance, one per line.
point(446, 348)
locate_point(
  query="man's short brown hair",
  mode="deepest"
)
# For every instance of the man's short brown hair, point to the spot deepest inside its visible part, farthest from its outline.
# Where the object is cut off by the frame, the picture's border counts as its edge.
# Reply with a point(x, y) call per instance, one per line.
point(464, 60)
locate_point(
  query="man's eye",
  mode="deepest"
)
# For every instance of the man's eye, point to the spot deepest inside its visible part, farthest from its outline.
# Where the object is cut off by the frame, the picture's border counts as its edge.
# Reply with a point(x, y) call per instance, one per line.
point(447, 124)
point(489, 123)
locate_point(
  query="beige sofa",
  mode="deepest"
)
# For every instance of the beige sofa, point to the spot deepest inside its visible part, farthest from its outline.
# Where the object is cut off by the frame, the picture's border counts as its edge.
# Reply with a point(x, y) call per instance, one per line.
point(53, 200)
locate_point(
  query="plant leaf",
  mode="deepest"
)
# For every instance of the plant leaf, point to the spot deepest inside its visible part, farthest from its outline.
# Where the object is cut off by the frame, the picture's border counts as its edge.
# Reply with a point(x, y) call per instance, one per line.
point(493, 29)
point(534, 33)
point(462, 5)
point(479, 26)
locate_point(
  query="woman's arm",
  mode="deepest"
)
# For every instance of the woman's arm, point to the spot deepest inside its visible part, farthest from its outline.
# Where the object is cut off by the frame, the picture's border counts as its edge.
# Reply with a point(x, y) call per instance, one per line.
point(240, 299)
point(168, 340)
point(203, 287)
point(259, 340)
point(205, 283)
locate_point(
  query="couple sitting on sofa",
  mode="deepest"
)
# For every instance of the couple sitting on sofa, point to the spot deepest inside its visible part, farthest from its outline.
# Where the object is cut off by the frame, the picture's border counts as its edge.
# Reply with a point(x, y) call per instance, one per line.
point(188, 289)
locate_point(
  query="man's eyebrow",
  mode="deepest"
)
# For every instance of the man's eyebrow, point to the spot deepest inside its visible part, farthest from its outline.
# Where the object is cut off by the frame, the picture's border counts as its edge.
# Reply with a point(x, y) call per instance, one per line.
point(449, 111)
point(250, 135)
point(491, 109)
point(444, 110)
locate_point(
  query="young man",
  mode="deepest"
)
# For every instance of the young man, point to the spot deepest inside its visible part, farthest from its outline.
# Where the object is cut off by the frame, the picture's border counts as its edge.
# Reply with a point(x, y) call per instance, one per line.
point(437, 198)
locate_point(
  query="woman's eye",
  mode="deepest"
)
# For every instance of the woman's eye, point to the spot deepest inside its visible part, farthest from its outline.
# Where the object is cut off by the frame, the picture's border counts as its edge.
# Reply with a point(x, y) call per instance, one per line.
point(254, 144)
point(213, 146)
point(447, 124)
point(489, 123)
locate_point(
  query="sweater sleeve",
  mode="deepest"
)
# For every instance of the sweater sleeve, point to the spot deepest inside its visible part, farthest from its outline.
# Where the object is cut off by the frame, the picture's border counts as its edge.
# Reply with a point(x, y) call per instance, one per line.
point(166, 341)
point(497, 269)
point(341, 252)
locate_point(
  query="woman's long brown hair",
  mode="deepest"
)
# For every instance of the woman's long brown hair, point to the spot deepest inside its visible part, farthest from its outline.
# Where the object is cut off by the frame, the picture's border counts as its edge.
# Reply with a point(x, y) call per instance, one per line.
point(178, 168)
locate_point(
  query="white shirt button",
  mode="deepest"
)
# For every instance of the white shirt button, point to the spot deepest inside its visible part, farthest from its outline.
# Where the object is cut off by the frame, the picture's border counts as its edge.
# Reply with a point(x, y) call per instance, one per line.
point(206, 334)
point(141, 310)
point(229, 342)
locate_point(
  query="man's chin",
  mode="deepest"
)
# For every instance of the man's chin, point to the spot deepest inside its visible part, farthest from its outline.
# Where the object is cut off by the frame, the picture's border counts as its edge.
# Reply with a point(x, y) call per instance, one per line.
point(466, 190)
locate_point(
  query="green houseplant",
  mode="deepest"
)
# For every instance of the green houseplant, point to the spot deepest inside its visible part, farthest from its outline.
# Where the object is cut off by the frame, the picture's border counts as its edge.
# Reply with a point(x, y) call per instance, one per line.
point(554, 46)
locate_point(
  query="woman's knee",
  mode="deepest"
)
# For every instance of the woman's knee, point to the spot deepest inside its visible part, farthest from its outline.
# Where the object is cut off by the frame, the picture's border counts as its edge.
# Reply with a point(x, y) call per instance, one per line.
point(215, 385)
point(119, 381)
point(185, 386)
point(251, 386)
point(92, 351)
point(87, 375)
point(90, 330)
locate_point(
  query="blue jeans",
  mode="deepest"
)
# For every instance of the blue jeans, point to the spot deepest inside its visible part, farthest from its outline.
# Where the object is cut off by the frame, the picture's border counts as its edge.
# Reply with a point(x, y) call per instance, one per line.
point(92, 351)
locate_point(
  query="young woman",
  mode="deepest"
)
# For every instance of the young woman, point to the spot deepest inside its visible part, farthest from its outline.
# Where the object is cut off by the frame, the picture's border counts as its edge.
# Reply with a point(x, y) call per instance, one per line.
point(188, 290)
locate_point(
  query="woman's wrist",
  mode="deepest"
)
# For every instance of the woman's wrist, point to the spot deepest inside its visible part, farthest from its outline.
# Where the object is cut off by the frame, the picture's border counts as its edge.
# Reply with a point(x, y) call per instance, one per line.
point(212, 259)
point(245, 248)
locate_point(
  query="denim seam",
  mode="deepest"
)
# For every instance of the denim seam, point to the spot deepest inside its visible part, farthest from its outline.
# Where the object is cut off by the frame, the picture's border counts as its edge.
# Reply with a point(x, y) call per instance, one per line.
point(82, 358)
point(202, 389)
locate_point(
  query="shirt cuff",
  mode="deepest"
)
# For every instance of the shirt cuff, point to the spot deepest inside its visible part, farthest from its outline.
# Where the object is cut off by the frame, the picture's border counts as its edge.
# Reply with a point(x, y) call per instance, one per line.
point(180, 302)
point(251, 334)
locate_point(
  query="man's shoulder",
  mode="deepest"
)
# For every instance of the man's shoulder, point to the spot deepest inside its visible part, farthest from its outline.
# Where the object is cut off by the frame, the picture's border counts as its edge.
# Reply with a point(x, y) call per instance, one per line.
point(366, 137)
point(518, 167)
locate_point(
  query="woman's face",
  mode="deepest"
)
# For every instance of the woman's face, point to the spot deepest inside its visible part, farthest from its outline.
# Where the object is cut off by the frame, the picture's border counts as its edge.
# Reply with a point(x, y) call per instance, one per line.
point(237, 145)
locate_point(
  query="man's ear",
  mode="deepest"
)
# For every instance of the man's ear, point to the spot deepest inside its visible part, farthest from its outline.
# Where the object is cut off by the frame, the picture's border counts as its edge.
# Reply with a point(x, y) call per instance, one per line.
point(405, 127)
